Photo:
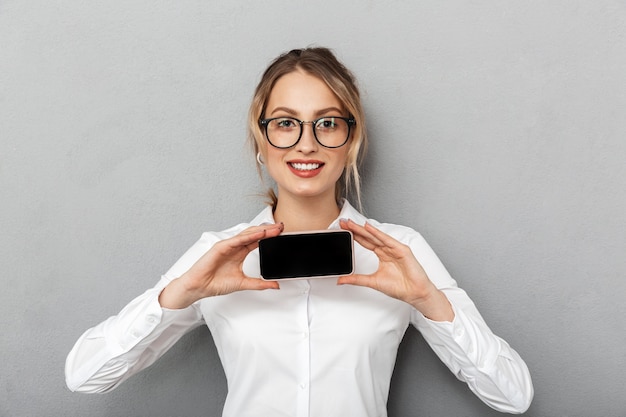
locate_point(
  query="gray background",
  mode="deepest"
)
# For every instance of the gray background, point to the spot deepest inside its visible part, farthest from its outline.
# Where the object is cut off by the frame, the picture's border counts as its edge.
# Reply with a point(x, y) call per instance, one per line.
point(497, 130)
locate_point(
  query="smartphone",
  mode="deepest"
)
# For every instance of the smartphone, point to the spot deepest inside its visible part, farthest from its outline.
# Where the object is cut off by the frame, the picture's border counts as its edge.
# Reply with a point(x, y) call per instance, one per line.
point(305, 255)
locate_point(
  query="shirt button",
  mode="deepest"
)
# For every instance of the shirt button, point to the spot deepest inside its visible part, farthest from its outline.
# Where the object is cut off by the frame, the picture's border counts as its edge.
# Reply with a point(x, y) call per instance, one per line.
point(303, 386)
point(305, 335)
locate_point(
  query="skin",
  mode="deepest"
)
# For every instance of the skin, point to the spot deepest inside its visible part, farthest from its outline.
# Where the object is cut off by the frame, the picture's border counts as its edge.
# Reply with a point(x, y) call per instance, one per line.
point(306, 201)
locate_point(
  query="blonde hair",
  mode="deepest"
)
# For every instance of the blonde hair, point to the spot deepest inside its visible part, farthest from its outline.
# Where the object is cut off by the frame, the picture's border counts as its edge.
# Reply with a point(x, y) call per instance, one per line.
point(321, 63)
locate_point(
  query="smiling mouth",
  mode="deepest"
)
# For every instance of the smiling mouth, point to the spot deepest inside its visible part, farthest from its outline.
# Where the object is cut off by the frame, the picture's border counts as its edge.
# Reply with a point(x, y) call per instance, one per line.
point(304, 167)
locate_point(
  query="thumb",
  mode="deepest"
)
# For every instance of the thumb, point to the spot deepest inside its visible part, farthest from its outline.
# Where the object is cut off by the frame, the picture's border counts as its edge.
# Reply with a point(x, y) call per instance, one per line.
point(355, 279)
point(259, 284)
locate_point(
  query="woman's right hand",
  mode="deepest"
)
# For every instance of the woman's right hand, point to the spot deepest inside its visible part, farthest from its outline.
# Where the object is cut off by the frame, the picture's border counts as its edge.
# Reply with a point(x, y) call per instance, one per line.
point(220, 270)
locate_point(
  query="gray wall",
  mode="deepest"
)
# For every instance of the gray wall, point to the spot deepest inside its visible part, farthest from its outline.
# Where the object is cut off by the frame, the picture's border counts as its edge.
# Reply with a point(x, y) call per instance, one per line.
point(497, 130)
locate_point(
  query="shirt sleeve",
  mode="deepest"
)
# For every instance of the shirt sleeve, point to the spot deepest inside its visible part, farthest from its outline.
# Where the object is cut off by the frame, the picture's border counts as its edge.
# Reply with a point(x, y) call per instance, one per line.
point(490, 367)
point(114, 350)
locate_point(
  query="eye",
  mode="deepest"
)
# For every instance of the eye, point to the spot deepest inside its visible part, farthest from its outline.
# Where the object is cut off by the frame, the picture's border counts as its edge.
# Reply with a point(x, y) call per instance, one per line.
point(284, 123)
point(326, 124)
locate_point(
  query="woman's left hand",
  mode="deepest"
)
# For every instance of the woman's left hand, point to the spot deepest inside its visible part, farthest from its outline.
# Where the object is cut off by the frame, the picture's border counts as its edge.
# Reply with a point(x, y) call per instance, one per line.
point(399, 274)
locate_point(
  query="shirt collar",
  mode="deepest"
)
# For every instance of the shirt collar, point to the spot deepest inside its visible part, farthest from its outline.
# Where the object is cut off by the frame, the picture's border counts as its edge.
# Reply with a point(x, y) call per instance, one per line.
point(347, 212)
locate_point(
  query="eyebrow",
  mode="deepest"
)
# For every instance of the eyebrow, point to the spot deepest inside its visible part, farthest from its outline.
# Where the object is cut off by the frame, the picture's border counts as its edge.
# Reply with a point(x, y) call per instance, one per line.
point(317, 113)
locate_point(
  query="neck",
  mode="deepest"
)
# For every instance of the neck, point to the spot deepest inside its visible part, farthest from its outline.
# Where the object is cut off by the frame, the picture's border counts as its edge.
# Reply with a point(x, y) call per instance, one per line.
point(299, 215)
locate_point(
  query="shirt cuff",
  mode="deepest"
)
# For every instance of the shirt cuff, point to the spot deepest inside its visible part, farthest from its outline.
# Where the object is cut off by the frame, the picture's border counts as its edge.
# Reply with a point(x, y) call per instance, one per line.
point(469, 340)
point(142, 321)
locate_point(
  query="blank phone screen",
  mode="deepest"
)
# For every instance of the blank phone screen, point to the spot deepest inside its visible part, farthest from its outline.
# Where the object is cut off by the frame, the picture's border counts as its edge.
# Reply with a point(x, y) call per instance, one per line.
point(306, 255)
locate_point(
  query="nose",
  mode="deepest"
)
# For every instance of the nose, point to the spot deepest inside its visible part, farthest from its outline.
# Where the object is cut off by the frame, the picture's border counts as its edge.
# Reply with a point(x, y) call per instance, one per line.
point(307, 142)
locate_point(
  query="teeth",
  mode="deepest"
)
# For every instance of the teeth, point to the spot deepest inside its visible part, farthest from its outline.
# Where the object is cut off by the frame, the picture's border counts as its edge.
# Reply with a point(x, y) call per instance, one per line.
point(305, 167)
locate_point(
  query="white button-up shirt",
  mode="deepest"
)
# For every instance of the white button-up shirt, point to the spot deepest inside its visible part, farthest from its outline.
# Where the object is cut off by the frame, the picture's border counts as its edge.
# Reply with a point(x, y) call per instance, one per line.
point(312, 348)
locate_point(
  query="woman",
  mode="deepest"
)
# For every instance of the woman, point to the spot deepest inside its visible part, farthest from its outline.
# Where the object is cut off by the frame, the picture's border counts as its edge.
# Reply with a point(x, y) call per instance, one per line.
point(316, 347)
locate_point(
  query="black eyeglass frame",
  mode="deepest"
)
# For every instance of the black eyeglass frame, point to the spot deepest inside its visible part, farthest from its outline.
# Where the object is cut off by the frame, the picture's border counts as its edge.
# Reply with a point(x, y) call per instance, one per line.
point(350, 120)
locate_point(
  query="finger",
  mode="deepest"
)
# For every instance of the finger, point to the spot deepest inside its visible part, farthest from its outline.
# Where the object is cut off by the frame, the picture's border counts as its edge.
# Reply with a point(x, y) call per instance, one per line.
point(367, 244)
point(362, 235)
point(269, 227)
point(251, 236)
point(239, 246)
point(382, 237)
point(356, 229)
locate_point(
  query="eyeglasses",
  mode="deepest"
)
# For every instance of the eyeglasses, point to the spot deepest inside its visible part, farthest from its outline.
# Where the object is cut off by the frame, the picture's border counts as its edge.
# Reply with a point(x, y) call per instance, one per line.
point(285, 132)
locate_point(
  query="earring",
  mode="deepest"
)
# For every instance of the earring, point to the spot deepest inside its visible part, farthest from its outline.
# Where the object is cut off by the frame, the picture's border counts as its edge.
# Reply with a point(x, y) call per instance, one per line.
point(258, 159)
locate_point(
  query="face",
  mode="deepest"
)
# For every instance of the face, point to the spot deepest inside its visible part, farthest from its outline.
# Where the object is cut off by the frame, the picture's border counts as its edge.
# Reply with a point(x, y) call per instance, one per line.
point(306, 170)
